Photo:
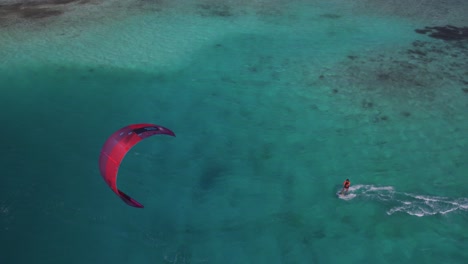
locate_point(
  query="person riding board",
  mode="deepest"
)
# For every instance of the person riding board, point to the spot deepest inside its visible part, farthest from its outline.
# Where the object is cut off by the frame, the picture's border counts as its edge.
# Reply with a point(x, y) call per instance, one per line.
point(346, 185)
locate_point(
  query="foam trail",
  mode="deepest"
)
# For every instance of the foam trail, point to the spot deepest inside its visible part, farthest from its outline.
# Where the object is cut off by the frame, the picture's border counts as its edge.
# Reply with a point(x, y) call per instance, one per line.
point(412, 204)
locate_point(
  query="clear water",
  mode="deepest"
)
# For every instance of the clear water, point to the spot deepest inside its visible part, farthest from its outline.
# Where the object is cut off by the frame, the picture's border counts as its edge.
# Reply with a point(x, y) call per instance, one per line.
point(274, 104)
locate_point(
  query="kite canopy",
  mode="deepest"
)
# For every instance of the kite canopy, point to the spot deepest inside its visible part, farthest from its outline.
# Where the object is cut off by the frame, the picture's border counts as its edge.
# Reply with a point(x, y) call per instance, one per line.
point(115, 148)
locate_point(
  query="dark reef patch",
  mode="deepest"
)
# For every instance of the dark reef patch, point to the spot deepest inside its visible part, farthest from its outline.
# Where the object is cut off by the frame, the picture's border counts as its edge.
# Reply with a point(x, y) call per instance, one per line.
point(383, 76)
point(36, 9)
point(367, 104)
point(34, 13)
point(215, 10)
point(406, 114)
point(211, 174)
point(416, 52)
point(378, 118)
point(446, 33)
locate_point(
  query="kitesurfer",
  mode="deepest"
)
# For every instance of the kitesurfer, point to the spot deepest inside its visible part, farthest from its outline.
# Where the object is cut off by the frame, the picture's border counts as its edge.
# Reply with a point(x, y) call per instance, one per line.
point(346, 185)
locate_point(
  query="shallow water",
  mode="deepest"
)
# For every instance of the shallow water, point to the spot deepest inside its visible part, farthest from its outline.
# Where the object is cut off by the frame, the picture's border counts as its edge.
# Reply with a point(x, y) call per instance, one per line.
point(273, 103)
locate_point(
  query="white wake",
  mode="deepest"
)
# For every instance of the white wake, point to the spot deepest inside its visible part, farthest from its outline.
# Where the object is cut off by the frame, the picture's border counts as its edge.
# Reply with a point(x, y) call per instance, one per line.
point(413, 204)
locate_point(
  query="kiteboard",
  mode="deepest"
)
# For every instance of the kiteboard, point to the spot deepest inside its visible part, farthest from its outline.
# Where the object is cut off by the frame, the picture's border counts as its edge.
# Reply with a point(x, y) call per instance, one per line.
point(347, 196)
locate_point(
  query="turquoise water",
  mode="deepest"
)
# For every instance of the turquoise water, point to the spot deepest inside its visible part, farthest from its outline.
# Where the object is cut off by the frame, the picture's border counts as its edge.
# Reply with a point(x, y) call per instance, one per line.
point(274, 104)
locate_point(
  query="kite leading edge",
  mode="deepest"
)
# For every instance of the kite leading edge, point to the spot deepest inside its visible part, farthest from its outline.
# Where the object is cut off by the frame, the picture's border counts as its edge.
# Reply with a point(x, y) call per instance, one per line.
point(115, 148)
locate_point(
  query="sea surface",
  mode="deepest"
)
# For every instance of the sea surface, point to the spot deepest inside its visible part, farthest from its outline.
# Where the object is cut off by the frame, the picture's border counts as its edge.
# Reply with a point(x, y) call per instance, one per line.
point(273, 103)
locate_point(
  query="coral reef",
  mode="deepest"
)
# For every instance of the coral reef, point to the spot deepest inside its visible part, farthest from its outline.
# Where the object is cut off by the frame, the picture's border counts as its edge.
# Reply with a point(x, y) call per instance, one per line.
point(447, 32)
point(36, 9)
